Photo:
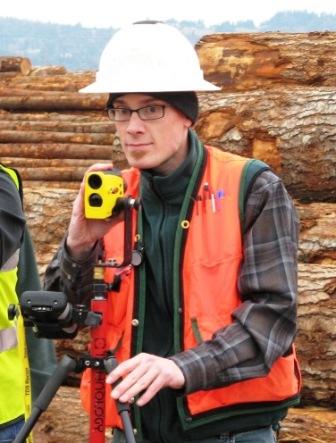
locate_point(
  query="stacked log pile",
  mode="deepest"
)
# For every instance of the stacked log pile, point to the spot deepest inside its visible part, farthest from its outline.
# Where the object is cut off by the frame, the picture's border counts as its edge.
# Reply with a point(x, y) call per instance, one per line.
point(277, 103)
point(49, 130)
point(51, 134)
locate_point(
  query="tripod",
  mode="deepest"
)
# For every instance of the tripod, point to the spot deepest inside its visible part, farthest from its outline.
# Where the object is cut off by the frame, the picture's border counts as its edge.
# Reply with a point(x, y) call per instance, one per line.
point(100, 360)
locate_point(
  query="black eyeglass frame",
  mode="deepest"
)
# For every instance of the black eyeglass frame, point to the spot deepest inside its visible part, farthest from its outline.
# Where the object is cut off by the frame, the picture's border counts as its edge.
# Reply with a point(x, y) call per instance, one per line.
point(138, 111)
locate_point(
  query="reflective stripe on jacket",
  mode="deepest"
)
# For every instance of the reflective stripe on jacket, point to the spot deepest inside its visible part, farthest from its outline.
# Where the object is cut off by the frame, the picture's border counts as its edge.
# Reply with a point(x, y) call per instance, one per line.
point(11, 366)
point(209, 244)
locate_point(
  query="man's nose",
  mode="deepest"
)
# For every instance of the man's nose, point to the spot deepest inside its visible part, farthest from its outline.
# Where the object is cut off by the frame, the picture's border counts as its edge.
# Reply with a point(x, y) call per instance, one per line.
point(135, 124)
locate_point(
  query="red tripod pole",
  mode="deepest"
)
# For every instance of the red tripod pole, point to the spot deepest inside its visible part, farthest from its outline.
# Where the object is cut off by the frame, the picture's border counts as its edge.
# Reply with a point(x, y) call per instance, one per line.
point(98, 351)
point(98, 354)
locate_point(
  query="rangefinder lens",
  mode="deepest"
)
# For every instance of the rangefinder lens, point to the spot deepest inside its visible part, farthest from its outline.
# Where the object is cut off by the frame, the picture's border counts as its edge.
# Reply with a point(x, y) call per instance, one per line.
point(95, 181)
point(95, 200)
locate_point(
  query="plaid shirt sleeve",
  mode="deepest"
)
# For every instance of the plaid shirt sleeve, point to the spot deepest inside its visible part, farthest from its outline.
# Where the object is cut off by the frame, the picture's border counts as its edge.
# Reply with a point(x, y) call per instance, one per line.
point(72, 277)
point(264, 324)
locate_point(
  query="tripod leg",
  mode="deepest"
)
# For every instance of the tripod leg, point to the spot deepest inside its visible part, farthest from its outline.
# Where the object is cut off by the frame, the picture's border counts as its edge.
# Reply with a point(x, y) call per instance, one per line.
point(66, 365)
point(123, 408)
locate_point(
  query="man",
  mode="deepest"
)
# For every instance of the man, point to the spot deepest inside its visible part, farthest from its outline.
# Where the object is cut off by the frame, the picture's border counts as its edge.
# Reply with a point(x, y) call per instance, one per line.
point(18, 272)
point(203, 328)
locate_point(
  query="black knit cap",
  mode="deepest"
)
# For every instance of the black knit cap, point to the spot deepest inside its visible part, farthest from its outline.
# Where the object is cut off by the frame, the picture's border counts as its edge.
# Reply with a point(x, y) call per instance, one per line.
point(185, 101)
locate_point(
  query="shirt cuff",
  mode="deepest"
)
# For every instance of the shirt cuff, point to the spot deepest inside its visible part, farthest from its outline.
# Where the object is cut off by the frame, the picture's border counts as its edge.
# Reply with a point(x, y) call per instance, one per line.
point(194, 371)
point(77, 274)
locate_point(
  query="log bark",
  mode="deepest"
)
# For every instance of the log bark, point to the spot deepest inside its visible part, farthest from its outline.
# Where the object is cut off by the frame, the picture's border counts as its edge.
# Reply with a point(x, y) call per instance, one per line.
point(63, 174)
point(317, 333)
point(15, 64)
point(48, 71)
point(49, 163)
point(290, 128)
point(6, 76)
point(17, 99)
point(62, 82)
point(64, 421)
point(318, 234)
point(62, 150)
point(65, 116)
point(38, 184)
point(48, 213)
point(59, 126)
point(250, 61)
point(22, 136)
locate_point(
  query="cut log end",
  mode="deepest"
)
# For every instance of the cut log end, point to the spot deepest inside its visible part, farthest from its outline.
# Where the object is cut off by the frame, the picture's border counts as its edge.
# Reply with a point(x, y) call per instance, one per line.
point(15, 64)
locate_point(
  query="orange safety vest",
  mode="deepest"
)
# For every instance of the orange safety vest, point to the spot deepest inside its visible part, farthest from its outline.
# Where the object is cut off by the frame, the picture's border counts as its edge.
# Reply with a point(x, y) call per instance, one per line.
point(208, 293)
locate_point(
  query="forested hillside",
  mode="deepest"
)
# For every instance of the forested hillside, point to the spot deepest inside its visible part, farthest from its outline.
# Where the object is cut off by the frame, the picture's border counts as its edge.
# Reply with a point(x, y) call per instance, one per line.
point(78, 48)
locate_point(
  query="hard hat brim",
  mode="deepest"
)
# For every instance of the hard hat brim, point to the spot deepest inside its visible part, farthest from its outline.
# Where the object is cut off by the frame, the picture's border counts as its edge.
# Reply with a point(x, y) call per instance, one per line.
point(98, 87)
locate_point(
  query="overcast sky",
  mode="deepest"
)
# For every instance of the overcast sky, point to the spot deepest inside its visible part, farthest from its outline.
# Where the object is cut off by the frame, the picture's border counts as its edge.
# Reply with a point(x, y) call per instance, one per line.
point(112, 13)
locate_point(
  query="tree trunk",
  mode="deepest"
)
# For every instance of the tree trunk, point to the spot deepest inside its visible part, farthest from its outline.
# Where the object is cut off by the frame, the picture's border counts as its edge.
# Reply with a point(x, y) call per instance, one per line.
point(74, 115)
point(60, 126)
point(318, 235)
point(317, 333)
point(50, 82)
point(290, 128)
point(15, 99)
point(22, 136)
point(49, 163)
point(48, 213)
point(47, 71)
point(250, 61)
point(62, 174)
point(15, 64)
point(62, 150)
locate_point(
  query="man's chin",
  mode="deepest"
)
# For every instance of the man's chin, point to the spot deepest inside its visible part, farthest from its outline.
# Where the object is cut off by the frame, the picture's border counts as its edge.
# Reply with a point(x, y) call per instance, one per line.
point(140, 163)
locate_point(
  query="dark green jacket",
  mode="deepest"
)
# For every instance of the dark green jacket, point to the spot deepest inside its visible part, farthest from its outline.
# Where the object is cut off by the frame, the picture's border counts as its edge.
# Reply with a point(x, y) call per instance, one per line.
point(41, 352)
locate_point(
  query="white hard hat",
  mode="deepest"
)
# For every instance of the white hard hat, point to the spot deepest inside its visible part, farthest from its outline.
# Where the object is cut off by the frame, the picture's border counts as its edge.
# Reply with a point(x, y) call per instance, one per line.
point(149, 57)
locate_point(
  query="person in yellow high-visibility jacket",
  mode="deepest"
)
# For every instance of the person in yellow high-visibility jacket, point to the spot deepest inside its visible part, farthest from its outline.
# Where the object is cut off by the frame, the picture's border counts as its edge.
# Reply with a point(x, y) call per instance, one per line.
point(18, 272)
point(12, 364)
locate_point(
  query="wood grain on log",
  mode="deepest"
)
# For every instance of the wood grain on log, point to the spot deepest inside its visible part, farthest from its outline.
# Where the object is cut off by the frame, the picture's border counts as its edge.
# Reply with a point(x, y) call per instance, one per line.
point(317, 333)
point(318, 234)
point(249, 61)
point(15, 64)
point(48, 213)
point(290, 128)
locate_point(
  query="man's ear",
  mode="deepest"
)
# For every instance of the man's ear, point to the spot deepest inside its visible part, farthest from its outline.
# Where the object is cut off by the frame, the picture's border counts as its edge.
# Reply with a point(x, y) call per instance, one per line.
point(188, 123)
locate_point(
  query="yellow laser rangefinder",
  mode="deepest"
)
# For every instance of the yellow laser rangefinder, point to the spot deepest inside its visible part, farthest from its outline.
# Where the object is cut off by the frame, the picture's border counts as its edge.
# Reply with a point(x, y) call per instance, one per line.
point(102, 189)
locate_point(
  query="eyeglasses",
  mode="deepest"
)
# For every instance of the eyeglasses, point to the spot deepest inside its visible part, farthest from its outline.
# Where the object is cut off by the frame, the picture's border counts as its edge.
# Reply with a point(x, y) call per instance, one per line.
point(151, 112)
